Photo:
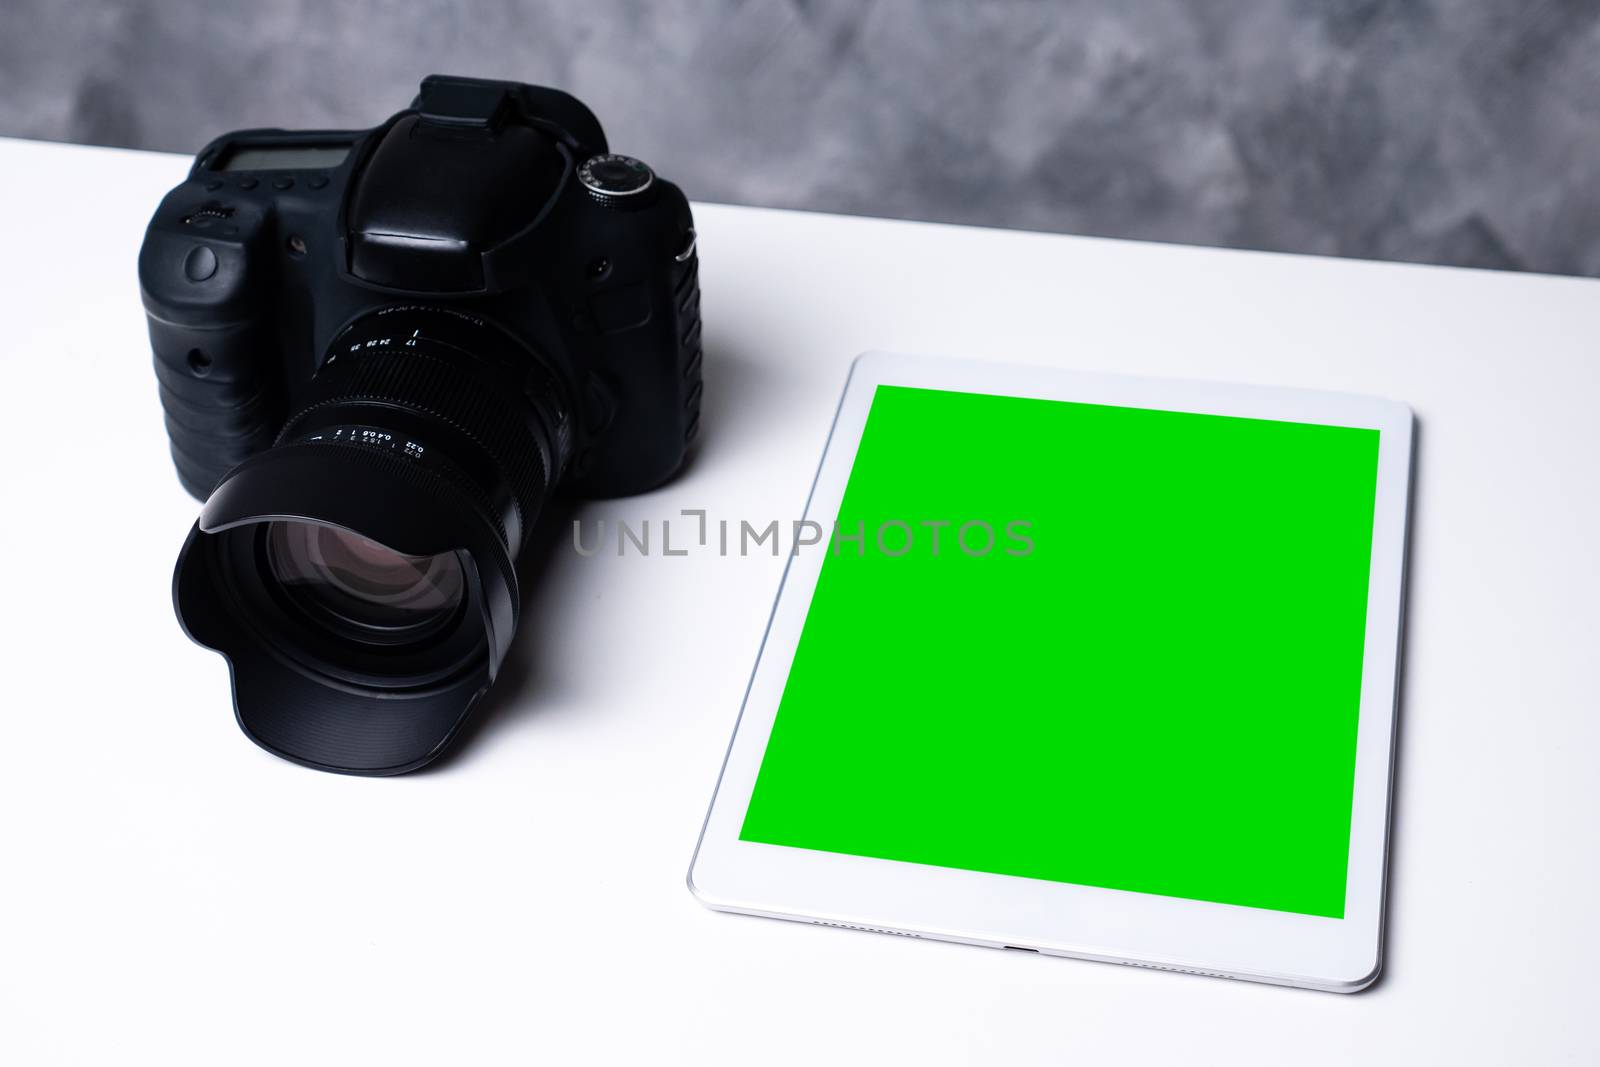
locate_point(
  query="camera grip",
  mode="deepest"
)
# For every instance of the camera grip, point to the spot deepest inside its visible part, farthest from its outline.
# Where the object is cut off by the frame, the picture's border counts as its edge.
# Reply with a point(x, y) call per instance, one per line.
point(218, 410)
point(219, 386)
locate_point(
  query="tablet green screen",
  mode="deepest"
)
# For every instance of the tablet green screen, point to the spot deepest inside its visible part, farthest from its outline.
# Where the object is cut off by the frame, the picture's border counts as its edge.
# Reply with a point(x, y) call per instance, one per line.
point(1109, 646)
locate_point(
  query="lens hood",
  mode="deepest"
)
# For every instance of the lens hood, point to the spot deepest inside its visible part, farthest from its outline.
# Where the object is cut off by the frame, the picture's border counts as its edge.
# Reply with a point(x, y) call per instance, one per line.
point(310, 697)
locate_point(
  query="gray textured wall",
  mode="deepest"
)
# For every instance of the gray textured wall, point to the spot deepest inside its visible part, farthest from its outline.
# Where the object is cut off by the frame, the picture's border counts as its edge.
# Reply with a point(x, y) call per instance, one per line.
point(1436, 130)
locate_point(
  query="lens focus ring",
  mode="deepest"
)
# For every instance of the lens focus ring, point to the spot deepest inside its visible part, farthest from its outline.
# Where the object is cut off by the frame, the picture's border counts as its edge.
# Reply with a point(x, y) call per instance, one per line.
point(449, 401)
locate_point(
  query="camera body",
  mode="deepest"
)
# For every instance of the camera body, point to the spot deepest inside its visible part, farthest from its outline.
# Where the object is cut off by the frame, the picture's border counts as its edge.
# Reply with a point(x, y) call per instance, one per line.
point(378, 353)
point(494, 206)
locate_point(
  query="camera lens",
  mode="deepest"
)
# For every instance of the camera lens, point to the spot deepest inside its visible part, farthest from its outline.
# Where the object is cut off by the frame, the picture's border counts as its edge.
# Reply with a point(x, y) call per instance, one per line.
point(361, 587)
point(359, 574)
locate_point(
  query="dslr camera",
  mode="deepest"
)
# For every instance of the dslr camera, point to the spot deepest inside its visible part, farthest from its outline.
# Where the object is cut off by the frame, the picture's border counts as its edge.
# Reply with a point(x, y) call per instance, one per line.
point(379, 352)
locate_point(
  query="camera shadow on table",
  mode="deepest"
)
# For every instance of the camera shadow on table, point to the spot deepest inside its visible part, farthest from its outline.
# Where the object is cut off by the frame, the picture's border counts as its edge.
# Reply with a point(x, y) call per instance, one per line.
point(526, 685)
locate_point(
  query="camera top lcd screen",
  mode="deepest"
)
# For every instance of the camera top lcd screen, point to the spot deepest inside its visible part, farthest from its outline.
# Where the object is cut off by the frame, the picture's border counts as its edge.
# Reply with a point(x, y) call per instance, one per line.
point(284, 157)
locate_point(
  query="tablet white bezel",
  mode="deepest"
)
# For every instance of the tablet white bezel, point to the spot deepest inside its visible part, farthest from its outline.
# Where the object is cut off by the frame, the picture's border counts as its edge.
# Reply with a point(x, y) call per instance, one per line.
point(1082, 921)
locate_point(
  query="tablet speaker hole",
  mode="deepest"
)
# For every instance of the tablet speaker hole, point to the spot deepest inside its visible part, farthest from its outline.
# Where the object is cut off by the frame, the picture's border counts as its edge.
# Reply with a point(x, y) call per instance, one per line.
point(1019, 948)
point(1176, 970)
point(868, 929)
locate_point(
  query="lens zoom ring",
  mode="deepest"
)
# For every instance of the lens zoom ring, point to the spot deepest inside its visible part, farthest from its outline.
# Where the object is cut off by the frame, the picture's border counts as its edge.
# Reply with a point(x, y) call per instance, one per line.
point(440, 390)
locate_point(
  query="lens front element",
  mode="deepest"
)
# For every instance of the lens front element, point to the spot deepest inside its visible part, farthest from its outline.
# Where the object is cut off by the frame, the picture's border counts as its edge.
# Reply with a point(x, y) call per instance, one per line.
point(364, 594)
point(362, 588)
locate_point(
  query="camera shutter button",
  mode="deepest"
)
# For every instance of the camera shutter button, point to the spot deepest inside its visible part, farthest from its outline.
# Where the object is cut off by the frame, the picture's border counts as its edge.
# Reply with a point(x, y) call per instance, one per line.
point(199, 264)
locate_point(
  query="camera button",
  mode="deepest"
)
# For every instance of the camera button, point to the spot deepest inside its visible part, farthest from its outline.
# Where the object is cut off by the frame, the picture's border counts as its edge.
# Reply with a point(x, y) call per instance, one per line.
point(248, 183)
point(199, 264)
point(283, 183)
point(683, 254)
point(213, 185)
point(612, 177)
point(318, 182)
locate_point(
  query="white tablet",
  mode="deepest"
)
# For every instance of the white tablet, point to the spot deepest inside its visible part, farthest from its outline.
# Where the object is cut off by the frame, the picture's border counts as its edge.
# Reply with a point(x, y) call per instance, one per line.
point(1094, 666)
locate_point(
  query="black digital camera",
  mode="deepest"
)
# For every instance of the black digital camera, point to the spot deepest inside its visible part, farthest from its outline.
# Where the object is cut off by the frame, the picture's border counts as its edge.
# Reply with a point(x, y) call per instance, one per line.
point(378, 353)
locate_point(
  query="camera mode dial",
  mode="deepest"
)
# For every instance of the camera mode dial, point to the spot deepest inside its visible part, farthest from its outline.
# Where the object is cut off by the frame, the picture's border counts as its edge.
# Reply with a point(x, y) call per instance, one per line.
point(614, 179)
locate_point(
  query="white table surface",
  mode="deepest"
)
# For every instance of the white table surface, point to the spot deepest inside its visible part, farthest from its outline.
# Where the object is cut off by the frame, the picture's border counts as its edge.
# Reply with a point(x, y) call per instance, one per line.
point(173, 894)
